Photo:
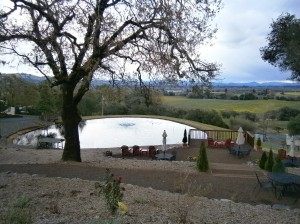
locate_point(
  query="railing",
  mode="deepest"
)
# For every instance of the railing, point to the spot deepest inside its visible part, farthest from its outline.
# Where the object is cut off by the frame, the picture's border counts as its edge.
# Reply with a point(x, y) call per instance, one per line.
point(218, 135)
point(49, 117)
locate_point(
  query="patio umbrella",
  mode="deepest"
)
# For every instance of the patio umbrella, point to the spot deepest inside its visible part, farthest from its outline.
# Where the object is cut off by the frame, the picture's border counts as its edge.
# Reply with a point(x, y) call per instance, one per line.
point(292, 147)
point(240, 140)
point(164, 135)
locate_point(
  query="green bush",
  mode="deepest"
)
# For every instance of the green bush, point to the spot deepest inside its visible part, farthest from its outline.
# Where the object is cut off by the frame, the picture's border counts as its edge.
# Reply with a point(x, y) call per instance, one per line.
point(270, 161)
point(205, 116)
point(263, 160)
point(202, 161)
point(235, 123)
point(278, 166)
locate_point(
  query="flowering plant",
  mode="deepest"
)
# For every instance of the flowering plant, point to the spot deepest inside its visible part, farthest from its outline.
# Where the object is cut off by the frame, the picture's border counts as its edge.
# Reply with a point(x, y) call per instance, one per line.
point(112, 190)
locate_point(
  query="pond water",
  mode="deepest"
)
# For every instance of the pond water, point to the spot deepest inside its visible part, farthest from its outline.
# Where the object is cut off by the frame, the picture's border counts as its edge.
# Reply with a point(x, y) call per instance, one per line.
point(115, 132)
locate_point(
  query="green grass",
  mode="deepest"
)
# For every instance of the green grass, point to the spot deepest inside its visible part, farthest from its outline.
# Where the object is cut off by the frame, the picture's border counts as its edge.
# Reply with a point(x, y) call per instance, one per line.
point(288, 94)
point(254, 106)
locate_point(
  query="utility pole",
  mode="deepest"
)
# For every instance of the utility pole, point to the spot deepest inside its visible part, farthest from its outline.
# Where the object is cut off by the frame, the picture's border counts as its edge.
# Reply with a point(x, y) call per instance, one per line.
point(102, 103)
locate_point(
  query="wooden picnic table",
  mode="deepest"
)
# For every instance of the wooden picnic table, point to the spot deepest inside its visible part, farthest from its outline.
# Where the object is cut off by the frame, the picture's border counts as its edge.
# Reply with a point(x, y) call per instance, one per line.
point(46, 142)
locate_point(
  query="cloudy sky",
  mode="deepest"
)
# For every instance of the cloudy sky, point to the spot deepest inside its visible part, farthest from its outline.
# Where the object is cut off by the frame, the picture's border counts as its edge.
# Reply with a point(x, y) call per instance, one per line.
point(243, 26)
point(242, 30)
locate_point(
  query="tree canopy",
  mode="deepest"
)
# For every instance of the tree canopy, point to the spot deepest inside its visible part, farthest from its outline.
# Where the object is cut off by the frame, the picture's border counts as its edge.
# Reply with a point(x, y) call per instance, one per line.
point(283, 48)
point(71, 41)
point(294, 125)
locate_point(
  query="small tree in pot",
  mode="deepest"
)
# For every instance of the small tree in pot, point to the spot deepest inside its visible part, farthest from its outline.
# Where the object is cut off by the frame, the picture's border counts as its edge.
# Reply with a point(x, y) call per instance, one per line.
point(263, 160)
point(202, 160)
point(270, 161)
point(258, 144)
point(184, 140)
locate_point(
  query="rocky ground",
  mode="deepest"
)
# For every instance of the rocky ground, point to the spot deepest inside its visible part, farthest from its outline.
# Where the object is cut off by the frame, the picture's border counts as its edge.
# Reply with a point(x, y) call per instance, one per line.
point(35, 183)
point(74, 200)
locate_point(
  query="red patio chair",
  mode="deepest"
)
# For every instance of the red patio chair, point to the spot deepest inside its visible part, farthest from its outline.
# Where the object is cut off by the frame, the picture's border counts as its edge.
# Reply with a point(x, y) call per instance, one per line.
point(228, 143)
point(210, 143)
point(282, 153)
point(152, 151)
point(125, 151)
point(135, 150)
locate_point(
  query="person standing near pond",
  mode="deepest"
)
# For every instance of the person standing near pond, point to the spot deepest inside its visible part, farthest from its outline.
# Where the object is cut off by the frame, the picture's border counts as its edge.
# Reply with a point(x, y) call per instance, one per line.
point(164, 135)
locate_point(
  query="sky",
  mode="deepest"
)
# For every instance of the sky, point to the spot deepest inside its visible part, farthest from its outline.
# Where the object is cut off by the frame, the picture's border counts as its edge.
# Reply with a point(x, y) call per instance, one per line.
point(243, 26)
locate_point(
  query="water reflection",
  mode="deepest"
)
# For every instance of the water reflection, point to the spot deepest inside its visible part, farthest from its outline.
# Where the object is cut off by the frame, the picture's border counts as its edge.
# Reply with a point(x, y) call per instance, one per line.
point(114, 132)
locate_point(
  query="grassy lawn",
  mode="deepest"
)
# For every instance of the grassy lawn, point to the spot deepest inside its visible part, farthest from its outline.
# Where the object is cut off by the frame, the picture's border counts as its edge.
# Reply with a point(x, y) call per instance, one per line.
point(254, 106)
point(288, 94)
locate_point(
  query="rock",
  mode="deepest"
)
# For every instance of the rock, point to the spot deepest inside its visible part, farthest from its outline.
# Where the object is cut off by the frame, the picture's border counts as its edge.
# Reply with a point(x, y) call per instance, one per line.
point(281, 206)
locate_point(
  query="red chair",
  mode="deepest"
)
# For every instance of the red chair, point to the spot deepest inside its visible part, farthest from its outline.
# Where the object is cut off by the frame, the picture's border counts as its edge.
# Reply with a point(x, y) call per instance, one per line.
point(135, 150)
point(282, 153)
point(210, 143)
point(152, 151)
point(228, 143)
point(125, 151)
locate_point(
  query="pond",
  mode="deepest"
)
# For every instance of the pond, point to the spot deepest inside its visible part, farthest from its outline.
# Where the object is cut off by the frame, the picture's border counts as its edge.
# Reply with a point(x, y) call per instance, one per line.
point(115, 132)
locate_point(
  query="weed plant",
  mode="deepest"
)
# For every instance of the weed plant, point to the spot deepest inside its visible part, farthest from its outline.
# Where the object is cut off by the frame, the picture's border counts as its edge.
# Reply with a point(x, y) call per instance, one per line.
point(112, 190)
point(19, 213)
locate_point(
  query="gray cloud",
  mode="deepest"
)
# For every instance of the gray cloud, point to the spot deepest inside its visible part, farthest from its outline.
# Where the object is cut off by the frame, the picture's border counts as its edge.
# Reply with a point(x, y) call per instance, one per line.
point(243, 28)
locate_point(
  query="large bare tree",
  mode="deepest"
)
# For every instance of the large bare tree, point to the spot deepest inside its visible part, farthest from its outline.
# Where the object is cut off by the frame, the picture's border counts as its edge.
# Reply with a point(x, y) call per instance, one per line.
point(69, 41)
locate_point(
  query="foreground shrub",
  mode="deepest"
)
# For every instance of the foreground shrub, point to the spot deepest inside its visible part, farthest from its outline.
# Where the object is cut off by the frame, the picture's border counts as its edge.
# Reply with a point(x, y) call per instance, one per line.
point(263, 160)
point(112, 190)
point(278, 166)
point(19, 213)
point(269, 162)
point(202, 161)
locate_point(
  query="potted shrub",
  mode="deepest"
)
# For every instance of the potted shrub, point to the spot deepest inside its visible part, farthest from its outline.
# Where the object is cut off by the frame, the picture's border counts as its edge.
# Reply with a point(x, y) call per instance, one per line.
point(270, 162)
point(278, 166)
point(263, 160)
point(202, 160)
point(258, 144)
point(108, 153)
point(184, 140)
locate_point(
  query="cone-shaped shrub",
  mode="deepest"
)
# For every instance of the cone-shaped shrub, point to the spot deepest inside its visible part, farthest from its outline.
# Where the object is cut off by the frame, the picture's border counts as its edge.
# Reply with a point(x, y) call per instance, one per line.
point(258, 142)
point(263, 160)
point(202, 161)
point(278, 166)
point(269, 162)
point(184, 140)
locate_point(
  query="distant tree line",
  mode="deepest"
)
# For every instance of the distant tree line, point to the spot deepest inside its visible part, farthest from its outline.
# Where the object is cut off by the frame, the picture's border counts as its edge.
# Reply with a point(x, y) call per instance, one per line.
point(282, 114)
point(37, 99)
point(40, 99)
point(209, 92)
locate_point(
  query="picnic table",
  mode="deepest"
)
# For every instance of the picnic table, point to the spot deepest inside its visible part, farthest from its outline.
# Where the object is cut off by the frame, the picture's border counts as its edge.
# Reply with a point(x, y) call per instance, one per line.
point(285, 184)
point(165, 156)
point(240, 150)
point(46, 142)
point(291, 162)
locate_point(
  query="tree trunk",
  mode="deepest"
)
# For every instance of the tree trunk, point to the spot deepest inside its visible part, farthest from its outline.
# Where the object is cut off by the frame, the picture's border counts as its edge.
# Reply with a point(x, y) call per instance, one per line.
point(70, 119)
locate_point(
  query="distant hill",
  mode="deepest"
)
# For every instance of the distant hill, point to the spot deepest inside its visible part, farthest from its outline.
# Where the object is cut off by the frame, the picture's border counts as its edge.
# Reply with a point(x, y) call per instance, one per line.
point(253, 84)
point(26, 77)
point(97, 82)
